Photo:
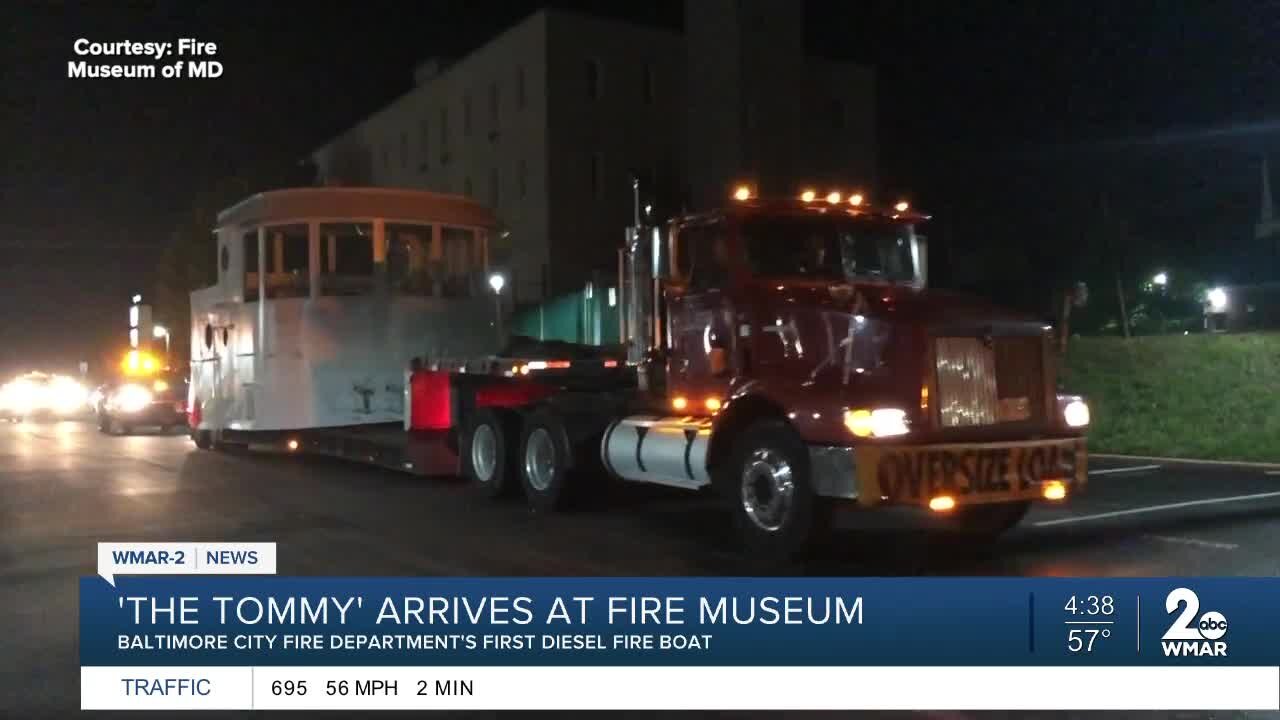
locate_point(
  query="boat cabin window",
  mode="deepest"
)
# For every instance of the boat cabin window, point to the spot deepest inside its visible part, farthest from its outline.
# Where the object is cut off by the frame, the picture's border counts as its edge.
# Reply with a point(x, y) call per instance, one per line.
point(289, 257)
point(410, 268)
point(250, 241)
point(346, 259)
point(463, 262)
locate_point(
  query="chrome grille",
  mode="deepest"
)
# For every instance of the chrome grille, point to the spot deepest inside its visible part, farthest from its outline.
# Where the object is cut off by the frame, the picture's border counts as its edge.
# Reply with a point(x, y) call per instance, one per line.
point(989, 381)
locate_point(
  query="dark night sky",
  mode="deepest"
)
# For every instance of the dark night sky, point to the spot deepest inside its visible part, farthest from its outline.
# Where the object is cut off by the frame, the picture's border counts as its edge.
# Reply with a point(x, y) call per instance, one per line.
point(1165, 105)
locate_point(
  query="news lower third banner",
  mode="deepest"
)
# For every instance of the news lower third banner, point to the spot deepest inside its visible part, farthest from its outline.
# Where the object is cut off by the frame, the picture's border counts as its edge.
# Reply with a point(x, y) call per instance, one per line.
point(268, 642)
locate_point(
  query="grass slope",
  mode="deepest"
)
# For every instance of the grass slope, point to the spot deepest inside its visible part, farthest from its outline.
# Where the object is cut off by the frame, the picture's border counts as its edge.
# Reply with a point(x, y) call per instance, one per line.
point(1196, 396)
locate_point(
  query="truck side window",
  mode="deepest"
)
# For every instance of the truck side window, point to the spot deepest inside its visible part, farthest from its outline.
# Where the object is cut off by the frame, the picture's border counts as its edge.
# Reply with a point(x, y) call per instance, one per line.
point(710, 254)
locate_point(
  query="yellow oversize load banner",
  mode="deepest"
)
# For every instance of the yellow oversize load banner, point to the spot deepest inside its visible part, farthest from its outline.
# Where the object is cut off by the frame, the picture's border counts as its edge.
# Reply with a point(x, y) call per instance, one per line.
point(970, 473)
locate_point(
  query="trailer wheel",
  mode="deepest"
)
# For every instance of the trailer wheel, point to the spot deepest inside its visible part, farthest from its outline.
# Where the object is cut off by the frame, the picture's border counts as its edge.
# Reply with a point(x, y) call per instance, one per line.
point(485, 451)
point(546, 459)
point(766, 482)
point(203, 439)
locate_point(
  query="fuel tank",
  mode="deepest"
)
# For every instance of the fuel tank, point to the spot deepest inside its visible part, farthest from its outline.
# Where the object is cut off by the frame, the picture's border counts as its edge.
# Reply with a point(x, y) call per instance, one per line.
point(662, 450)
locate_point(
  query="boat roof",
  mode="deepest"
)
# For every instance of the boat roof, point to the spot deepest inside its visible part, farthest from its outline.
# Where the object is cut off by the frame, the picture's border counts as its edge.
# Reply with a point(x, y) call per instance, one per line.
point(294, 204)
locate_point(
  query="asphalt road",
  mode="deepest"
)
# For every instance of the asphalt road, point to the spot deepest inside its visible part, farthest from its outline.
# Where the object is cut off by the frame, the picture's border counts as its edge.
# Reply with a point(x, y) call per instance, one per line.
point(64, 487)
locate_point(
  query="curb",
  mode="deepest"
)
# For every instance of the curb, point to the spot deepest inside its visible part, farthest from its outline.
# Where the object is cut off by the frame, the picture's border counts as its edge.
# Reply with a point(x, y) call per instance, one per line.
point(1189, 461)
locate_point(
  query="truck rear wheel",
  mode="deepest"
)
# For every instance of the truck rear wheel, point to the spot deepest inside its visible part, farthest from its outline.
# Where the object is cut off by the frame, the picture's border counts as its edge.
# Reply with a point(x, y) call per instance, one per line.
point(485, 451)
point(767, 485)
point(546, 460)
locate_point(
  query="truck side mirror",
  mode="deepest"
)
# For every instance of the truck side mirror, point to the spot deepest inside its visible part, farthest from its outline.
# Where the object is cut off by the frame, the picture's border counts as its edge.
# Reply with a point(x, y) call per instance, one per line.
point(922, 260)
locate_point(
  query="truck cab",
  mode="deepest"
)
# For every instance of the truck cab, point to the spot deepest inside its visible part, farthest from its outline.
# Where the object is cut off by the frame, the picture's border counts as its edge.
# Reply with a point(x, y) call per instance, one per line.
point(805, 364)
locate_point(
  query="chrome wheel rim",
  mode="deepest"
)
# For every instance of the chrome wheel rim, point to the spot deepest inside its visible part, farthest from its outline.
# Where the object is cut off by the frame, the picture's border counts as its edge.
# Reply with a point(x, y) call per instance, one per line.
point(540, 459)
point(768, 488)
point(484, 452)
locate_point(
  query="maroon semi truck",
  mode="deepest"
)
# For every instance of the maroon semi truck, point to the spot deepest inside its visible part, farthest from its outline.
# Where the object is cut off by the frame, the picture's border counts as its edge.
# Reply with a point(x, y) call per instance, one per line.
point(787, 356)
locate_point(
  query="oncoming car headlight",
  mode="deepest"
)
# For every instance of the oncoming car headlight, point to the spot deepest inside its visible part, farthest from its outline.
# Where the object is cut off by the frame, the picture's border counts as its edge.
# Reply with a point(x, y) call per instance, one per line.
point(1075, 411)
point(878, 422)
point(67, 395)
point(131, 398)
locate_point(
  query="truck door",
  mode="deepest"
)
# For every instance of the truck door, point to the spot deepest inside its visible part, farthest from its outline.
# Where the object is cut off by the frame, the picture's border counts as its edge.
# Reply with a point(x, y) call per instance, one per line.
point(701, 315)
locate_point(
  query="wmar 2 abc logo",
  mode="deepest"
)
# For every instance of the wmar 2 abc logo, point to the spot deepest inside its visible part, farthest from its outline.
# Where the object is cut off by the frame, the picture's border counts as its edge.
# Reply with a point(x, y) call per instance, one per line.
point(1189, 637)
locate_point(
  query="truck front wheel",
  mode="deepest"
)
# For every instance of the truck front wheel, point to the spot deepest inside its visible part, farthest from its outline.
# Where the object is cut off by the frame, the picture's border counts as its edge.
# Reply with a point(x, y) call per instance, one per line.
point(486, 460)
point(546, 460)
point(988, 521)
point(767, 485)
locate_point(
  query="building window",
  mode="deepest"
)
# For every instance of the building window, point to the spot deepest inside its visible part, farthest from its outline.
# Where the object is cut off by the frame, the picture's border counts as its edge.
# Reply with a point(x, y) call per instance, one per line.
point(463, 261)
point(466, 187)
point(493, 106)
point(404, 150)
point(495, 188)
point(597, 175)
point(346, 258)
point(289, 253)
point(424, 129)
point(522, 177)
point(595, 80)
point(649, 90)
point(444, 128)
point(466, 114)
point(520, 97)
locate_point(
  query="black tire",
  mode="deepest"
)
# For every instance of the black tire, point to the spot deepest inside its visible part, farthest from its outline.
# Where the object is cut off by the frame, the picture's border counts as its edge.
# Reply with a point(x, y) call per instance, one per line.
point(545, 462)
point(985, 523)
point(490, 433)
point(203, 439)
point(773, 527)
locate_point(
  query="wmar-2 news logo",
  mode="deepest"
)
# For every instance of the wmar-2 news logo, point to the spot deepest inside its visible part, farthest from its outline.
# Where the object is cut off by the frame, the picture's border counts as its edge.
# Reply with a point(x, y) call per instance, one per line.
point(1189, 637)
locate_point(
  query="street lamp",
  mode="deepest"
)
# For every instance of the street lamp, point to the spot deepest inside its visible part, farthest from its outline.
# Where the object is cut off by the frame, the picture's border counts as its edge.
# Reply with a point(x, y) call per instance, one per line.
point(496, 281)
point(160, 331)
point(1217, 300)
point(1161, 279)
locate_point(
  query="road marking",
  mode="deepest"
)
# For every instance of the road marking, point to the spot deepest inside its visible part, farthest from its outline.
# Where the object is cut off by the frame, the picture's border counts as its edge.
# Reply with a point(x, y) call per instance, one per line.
point(1155, 508)
point(1273, 472)
point(1193, 541)
point(1135, 468)
point(1187, 461)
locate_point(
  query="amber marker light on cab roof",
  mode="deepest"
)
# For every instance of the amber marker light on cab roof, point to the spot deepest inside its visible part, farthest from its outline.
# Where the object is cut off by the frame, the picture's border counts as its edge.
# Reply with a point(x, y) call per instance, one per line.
point(902, 206)
point(855, 199)
point(713, 404)
point(679, 402)
point(833, 197)
point(808, 196)
point(742, 192)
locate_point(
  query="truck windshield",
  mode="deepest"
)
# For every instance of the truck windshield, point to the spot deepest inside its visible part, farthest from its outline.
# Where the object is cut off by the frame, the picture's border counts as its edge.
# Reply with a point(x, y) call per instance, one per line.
point(821, 246)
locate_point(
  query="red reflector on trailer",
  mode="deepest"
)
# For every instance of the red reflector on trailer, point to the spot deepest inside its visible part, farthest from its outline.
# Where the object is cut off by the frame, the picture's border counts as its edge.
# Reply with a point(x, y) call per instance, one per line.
point(429, 401)
point(558, 364)
point(611, 363)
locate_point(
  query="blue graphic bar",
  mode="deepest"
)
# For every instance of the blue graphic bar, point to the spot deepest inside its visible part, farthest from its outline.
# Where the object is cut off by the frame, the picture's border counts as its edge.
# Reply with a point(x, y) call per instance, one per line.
point(284, 621)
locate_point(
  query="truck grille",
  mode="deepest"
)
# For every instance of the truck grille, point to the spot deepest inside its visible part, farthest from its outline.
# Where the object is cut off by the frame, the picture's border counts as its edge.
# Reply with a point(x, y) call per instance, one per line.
point(986, 382)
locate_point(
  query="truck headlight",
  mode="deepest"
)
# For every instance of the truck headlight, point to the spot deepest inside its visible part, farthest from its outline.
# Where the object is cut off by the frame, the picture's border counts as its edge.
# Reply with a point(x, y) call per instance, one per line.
point(877, 422)
point(131, 398)
point(1076, 413)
